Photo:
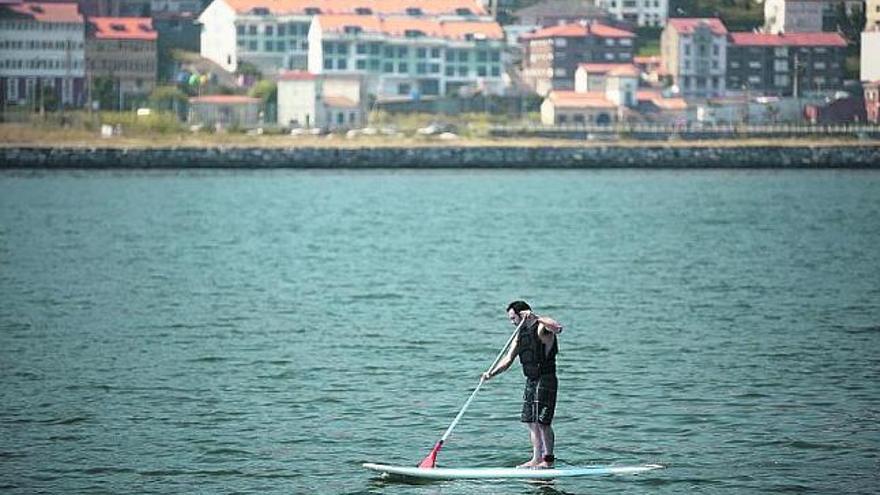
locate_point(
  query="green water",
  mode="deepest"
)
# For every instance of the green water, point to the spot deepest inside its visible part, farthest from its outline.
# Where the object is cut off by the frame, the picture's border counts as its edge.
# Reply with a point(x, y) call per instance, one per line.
point(229, 332)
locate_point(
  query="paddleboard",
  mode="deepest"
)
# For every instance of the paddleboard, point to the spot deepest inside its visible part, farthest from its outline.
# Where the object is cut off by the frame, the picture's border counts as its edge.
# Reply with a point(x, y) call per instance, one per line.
point(506, 473)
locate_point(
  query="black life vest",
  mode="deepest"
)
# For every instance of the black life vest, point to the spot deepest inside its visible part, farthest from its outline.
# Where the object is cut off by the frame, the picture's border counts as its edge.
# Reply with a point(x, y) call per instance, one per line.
point(535, 361)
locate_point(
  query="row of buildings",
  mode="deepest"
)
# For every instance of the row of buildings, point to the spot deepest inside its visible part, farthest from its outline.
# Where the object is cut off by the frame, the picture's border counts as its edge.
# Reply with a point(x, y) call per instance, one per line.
point(412, 50)
point(50, 52)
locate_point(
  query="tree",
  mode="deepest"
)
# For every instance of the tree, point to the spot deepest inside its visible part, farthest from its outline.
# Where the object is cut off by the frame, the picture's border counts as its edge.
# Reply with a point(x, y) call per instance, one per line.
point(168, 98)
point(265, 90)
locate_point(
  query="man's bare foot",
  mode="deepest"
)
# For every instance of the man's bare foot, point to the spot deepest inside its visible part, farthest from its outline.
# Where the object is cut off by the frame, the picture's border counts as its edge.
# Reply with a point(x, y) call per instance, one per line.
point(528, 465)
point(543, 465)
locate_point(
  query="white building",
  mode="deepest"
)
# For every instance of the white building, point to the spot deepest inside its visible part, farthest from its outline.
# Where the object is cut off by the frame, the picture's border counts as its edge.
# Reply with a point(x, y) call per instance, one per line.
point(870, 62)
point(694, 52)
point(158, 6)
point(872, 15)
point(273, 34)
point(792, 16)
point(637, 12)
point(402, 56)
point(42, 53)
point(307, 100)
point(619, 82)
point(805, 16)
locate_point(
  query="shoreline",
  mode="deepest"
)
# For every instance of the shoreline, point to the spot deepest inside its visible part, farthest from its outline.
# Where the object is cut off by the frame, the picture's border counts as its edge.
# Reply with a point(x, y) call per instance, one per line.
point(450, 155)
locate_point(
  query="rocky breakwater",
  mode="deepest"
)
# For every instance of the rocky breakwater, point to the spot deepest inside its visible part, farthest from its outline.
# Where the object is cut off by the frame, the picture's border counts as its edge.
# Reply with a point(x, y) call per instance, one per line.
point(867, 156)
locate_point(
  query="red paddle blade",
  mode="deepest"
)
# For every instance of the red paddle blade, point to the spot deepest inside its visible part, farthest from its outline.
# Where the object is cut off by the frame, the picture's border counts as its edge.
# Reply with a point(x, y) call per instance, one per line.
point(430, 461)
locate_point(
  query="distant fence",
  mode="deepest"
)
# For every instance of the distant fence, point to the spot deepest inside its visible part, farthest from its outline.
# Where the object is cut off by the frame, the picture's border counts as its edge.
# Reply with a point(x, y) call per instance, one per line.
point(685, 131)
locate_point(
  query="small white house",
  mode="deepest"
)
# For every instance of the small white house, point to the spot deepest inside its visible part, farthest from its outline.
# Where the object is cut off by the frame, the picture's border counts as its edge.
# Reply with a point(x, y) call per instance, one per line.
point(307, 100)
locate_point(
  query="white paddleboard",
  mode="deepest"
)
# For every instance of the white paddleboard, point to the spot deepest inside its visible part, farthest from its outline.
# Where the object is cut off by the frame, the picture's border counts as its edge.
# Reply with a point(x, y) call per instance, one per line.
point(506, 473)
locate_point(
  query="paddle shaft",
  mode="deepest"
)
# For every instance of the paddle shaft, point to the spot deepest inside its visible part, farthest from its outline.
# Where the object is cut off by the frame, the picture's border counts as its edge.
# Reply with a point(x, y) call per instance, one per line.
point(474, 393)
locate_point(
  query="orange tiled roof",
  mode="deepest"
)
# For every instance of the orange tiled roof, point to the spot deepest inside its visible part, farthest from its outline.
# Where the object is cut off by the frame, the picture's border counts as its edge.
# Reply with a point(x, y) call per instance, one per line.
point(45, 11)
point(579, 30)
point(297, 75)
point(224, 99)
point(123, 28)
point(787, 39)
point(427, 7)
point(645, 60)
point(656, 97)
point(687, 25)
point(573, 99)
point(339, 102)
point(612, 69)
point(397, 26)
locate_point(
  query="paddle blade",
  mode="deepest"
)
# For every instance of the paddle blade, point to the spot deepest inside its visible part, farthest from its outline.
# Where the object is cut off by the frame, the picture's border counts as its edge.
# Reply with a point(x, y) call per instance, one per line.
point(430, 461)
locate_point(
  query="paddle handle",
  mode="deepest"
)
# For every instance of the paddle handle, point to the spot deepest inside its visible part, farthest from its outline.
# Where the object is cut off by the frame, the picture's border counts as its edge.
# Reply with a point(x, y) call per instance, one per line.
point(474, 393)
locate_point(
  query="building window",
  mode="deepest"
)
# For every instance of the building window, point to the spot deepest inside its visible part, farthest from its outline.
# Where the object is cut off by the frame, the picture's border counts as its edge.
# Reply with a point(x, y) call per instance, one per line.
point(819, 65)
point(403, 68)
point(239, 30)
point(780, 51)
point(328, 63)
point(269, 30)
point(463, 56)
point(361, 64)
point(435, 53)
point(252, 46)
point(12, 89)
point(421, 53)
point(780, 65)
point(403, 89)
point(252, 30)
point(496, 71)
point(388, 67)
point(268, 46)
point(342, 64)
point(421, 68)
point(434, 68)
point(755, 64)
point(450, 71)
point(281, 30)
point(481, 71)
point(361, 49)
point(402, 51)
point(687, 49)
point(781, 80)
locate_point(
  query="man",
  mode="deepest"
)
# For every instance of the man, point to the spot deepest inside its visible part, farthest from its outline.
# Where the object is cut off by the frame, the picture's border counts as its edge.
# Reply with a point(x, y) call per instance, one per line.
point(536, 346)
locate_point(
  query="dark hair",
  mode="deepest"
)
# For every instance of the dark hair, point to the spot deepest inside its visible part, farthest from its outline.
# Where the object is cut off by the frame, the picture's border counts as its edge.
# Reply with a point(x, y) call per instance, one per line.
point(519, 306)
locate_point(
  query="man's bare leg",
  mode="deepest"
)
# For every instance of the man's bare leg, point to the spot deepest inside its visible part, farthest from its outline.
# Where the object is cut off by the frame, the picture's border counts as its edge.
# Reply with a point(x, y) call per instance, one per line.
point(548, 440)
point(537, 446)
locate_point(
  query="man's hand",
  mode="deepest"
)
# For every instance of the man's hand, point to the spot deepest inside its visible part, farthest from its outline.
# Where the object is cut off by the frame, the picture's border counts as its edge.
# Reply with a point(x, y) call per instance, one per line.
point(486, 376)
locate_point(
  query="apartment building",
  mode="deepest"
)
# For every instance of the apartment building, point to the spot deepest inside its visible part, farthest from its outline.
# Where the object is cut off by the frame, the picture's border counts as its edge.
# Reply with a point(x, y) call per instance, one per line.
point(785, 64)
point(122, 50)
point(404, 56)
point(637, 12)
point(694, 52)
point(556, 12)
point(805, 16)
point(552, 55)
point(42, 53)
point(273, 35)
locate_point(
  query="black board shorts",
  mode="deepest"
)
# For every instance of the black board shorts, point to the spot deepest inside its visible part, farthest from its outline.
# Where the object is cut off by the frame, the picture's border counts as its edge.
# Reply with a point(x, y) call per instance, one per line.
point(539, 400)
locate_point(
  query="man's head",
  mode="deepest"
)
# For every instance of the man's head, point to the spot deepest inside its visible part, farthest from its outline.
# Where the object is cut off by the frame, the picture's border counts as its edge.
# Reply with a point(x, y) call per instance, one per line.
point(515, 309)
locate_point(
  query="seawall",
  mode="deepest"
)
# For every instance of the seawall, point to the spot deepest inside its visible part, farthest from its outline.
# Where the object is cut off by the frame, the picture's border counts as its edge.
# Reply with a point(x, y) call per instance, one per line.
point(451, 157)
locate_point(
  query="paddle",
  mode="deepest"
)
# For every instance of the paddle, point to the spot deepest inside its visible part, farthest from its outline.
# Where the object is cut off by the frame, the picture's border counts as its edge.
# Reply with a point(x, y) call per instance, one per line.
point(431, 460)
